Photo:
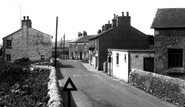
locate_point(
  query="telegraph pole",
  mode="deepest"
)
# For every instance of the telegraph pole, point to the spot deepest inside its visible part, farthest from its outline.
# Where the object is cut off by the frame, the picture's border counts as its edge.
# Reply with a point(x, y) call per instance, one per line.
point(64, 45)
point(56, 42)
point(61, 49)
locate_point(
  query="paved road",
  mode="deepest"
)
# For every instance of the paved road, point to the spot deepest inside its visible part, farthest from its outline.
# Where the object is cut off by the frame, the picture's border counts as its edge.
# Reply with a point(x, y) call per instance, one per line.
point(96, 89)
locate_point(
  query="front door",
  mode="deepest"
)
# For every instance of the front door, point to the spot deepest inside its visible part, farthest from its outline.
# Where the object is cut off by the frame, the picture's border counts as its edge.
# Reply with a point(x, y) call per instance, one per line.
point(149, 64)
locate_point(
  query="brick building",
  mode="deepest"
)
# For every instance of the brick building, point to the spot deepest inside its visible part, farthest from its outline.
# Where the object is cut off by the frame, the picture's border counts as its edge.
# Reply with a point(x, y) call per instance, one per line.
point(118, 35)
point(27, 42)
point(169, 26)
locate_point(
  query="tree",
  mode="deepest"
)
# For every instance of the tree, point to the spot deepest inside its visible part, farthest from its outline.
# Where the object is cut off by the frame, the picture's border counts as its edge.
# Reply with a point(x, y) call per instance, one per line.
point(79, 34)
point(99, 31)
point(84, 33)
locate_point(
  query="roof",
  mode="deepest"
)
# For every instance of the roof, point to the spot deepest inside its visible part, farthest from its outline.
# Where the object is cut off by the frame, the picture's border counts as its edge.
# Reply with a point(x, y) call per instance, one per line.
point(12, 33)
point(103, 32)
point(82, 39)
point(22, 28)
point(169, 18)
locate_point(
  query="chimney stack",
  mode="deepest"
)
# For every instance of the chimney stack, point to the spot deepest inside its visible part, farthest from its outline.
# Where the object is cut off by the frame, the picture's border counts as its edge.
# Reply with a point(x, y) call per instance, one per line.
point(107, 26)
point(124, 20)
point(114, 21)
point(26, 22)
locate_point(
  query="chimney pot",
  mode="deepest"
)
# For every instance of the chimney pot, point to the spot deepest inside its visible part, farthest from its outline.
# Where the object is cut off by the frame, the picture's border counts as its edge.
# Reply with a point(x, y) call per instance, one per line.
point(24, 18)
point(127, 13)
point(122, 13)
point(109, 22)
point(27, 17)
point(114, 16)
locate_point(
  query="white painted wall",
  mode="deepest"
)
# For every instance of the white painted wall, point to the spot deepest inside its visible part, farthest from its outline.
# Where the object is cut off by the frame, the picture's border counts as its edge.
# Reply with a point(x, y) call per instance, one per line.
point(120, 70)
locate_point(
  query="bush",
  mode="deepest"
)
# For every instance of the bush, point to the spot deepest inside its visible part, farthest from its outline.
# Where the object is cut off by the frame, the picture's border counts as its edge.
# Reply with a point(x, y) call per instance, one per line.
point(164, 87)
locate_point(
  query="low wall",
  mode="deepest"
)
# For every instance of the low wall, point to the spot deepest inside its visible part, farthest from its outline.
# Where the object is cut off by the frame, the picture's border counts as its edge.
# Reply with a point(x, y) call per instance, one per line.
point(53, 88)
point(167, 88)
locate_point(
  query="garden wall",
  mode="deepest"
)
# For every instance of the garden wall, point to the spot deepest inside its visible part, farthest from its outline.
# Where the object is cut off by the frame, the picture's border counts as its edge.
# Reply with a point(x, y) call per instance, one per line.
point(167, 88)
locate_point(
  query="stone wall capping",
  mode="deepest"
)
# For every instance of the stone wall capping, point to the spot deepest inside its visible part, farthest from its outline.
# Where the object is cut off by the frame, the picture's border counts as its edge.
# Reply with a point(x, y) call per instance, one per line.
point(55, 99)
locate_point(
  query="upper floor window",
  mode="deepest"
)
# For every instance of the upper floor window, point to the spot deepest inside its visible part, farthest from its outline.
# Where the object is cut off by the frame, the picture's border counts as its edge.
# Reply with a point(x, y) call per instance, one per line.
point(175, 58)
point(8, 43)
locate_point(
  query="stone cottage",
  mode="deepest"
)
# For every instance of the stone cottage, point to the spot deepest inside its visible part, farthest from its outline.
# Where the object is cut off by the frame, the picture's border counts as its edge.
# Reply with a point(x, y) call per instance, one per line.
point(118, 35)
point(27, 42)
point(79, 47)
point(169, 26)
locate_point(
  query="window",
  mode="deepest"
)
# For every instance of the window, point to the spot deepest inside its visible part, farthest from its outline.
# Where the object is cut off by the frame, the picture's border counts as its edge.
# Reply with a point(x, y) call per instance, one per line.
point(8, 57)
point(117, 58)
point(125, 58)
point(42, 58)
point(175, 57)
point(8, 43)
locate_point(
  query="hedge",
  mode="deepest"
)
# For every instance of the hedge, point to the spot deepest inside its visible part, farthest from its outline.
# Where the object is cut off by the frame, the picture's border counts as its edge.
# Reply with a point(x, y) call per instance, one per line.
point(167, 88)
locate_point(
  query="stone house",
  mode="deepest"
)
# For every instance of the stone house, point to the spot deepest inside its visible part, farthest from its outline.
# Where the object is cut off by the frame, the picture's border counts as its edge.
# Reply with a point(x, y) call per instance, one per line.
point(118, 35)
point(79, 48)
point(169, 27)
point(27, 42)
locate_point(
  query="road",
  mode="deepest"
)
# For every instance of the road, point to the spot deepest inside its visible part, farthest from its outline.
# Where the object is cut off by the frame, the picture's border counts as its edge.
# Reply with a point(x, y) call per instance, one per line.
point(96, 89)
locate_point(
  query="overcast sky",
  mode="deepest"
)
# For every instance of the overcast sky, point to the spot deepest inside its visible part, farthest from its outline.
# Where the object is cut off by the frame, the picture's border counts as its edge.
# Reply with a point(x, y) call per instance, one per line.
point(78, 15)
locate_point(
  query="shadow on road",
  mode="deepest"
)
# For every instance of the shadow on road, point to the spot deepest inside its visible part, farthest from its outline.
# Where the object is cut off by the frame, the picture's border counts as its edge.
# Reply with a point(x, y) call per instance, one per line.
point(62, 93)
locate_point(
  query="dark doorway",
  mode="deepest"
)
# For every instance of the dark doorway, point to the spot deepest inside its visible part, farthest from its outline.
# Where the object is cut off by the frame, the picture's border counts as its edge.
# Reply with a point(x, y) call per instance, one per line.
point(80, 55)
point(149, 64)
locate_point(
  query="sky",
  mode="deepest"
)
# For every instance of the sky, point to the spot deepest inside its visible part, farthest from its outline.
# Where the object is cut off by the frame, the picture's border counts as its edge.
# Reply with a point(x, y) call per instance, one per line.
point(78, 15)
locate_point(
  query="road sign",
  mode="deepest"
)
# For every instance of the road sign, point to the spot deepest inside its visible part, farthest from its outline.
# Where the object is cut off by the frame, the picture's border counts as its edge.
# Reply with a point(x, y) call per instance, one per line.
point(72, 88)
point(69, 89)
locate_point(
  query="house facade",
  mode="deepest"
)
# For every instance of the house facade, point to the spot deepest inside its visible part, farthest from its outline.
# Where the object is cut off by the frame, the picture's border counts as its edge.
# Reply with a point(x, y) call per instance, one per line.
point(27, 42)
point(79, 48)
point(120, 62)
point(118, 35)
point(169, 27)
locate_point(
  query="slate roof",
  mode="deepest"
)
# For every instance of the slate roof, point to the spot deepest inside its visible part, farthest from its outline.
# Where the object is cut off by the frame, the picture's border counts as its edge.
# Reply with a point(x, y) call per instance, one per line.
point(169, 18)
point(82, 39)
point(94, 37)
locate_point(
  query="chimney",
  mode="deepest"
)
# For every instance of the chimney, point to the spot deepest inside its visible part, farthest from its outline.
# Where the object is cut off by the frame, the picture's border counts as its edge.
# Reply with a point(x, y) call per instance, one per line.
point(103, 28)
point(114, 20)
point(124, 20)
point(26, 22)
point(107, 26)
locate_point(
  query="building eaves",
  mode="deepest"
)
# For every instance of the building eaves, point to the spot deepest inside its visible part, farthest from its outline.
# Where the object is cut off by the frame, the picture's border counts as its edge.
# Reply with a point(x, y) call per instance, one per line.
point(169, 18)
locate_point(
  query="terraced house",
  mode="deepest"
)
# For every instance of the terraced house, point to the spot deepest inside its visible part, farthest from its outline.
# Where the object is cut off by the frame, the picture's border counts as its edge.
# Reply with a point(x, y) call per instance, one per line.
point(169, 42)
point(79, 48)
point(27, 42)
point(118, 35)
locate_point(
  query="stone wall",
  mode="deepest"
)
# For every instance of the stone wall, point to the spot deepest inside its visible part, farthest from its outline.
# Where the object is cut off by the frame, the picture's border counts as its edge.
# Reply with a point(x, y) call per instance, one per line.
point(164, 40)
point(30, 43)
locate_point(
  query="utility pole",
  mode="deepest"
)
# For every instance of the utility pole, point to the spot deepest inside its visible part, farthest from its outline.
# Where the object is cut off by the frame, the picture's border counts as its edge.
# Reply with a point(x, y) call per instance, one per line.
point(56, 42)
point(61, 49)
point(64, 45)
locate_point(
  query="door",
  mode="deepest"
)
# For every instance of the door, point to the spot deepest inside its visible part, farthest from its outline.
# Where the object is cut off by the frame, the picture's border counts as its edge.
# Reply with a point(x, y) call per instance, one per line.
point(149, 64)
point(80, 55)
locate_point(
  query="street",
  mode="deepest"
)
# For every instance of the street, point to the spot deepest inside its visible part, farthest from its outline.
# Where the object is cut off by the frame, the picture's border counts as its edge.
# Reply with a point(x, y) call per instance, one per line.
point(97, 89)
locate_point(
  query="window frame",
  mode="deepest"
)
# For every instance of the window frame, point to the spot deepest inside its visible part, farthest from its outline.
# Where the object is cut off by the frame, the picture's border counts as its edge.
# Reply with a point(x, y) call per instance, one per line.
point(8, 57)
point(117, 59)
point(175, 58)
point(8, 43)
